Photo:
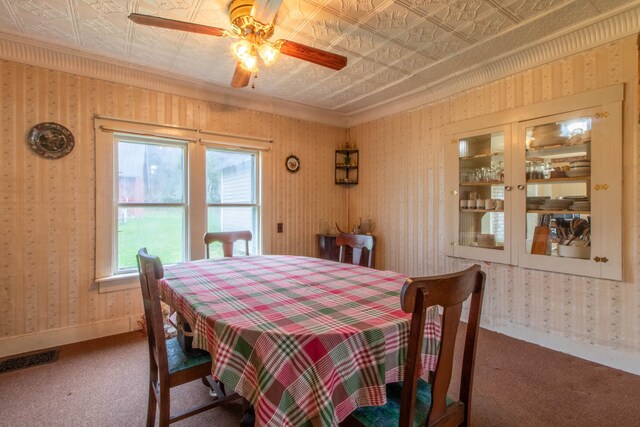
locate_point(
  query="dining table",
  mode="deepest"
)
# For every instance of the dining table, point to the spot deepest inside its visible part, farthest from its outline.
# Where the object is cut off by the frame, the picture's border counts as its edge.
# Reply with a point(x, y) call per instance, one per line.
point(305, 340)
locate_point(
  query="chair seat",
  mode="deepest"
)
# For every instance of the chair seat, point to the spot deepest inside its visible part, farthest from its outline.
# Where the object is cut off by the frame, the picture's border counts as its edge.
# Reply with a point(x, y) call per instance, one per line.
point(178, 361)
point(388, 414)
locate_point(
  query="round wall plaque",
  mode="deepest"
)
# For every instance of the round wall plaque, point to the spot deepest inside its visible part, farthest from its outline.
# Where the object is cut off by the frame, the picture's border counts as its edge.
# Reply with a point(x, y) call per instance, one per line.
point(51, 140)
point(292, 163)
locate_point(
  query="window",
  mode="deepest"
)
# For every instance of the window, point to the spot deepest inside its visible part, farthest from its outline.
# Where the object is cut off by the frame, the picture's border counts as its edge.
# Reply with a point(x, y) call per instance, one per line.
point(151, 200)
point(162, 187)
point(232, 196)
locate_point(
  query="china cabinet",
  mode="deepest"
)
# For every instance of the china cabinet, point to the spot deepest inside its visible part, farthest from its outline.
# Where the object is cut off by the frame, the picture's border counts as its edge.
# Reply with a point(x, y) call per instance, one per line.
point(542, 193)
point(346, 167)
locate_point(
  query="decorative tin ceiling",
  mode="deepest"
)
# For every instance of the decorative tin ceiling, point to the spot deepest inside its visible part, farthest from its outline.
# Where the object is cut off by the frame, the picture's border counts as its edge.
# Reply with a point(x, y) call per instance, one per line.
point(394, 48)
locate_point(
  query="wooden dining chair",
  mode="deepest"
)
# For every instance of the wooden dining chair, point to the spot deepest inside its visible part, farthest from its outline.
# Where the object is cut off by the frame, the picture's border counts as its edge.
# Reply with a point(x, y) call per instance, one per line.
point(358, 243)
point(228, 238)
point(416, 402)
point(168, 365)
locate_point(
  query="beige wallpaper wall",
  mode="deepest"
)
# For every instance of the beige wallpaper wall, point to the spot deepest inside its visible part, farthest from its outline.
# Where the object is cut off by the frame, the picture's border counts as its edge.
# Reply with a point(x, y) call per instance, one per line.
point(401, 188)
point(47, 215)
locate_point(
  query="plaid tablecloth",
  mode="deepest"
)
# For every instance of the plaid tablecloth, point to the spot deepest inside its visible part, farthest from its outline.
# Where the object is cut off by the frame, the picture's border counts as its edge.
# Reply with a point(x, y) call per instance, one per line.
point(305, 340)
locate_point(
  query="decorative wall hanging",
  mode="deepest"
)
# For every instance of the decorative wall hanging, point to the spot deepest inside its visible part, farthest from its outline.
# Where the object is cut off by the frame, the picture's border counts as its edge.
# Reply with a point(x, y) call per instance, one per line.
point(292, 163)
point(50, 140)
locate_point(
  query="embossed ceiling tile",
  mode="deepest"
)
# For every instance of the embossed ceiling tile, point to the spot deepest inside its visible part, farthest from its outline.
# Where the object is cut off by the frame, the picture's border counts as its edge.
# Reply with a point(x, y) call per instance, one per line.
point(360, 41)
point(103, 7)
point(173, 4)
point(326, 27)
point(341, 99)
point(214, 14)
point(203, 44)
point(41, 11)
point(527, 9)
point(421, 34)
point(459, 13)
point(293, 13)
point(355, 10)
point(487, 26)
point(429, 7)
point(390, 53)
point(153, 8)
point(8, 19)
point(156, 38)
point(446, 47)
point(363, 68)
point(413, 63)
point(392, 20)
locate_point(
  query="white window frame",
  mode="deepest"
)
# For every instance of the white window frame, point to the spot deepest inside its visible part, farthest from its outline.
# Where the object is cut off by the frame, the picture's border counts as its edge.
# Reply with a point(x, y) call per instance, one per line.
point(197, 140)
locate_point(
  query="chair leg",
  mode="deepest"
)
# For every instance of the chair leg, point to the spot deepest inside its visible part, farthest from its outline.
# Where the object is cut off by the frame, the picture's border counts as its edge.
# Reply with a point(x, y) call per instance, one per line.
point(151, 407)
point(165, 407)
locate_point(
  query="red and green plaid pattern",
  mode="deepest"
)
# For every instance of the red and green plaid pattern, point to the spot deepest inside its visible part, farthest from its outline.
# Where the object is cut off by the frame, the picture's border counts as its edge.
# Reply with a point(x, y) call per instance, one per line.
point(305, 340)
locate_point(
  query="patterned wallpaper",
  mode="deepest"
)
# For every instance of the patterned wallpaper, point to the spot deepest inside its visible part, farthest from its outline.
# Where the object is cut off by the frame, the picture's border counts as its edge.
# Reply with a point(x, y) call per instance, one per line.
point(48, 207)
point(47, 217)
point(401, 188)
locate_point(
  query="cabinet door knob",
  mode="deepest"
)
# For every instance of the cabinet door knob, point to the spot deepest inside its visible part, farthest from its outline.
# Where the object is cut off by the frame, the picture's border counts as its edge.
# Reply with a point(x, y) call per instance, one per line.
point(597, 259)
point(604, 259)
point(520, 187)
point(507, 188)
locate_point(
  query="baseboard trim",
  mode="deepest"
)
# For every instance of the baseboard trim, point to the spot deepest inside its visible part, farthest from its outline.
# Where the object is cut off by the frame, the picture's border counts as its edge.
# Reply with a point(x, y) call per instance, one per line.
point(52, 338)
point(592, 352)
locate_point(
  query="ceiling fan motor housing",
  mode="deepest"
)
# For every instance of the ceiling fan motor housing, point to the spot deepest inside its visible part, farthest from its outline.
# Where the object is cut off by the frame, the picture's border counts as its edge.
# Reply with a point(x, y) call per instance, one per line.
point(244, 24)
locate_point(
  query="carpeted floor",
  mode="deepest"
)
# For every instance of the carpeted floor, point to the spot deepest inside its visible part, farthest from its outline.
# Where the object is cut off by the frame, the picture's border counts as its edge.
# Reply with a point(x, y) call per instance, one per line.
point(103, 383)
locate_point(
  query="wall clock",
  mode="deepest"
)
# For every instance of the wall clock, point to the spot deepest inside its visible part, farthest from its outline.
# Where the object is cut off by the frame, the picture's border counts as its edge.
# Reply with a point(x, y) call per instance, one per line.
point(292, 163)
point(50, 140)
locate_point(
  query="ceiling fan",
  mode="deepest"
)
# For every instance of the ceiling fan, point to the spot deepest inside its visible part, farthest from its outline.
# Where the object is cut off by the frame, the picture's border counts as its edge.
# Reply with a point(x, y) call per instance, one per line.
point(252, 23)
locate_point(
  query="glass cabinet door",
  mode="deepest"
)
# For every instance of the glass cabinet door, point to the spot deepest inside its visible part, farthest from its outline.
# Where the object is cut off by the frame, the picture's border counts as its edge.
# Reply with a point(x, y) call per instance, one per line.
point(558, 173)
point(482, 227)
point(557, 170)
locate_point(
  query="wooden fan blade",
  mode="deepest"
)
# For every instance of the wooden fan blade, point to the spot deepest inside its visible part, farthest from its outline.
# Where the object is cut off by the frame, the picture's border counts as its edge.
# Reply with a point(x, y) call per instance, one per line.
point(240, 77)
point(265, 10)
point(155, 21)
point(311, 54)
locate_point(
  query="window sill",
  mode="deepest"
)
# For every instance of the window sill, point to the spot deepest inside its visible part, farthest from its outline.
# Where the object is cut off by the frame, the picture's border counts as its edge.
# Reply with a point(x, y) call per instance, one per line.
point(121, 282)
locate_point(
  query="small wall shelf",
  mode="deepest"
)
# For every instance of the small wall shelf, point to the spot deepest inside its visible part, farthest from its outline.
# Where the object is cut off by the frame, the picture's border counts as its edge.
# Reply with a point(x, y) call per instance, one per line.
point(346, 167)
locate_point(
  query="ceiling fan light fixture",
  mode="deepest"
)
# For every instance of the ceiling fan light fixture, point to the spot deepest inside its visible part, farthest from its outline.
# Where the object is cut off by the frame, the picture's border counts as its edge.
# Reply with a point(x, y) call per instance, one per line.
point(246, 54)
point(241, 48)
point(269, 53)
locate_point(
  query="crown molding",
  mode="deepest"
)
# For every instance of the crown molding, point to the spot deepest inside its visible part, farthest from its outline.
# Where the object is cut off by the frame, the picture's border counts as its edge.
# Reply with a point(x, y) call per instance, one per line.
point(40, 53)
point(618, 25)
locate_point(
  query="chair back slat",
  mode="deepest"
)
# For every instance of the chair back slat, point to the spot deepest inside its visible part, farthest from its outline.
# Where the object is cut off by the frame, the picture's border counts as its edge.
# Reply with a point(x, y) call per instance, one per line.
point(360, 244)
point(228, 238)
point(449, 292)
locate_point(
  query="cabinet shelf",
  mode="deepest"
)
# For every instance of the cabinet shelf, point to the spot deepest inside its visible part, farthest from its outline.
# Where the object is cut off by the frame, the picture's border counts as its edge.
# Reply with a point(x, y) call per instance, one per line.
point(480, 183)
point(559, 212)
point(484, 155)
point(558, 150)
point(560, 180)
point(481, 210)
